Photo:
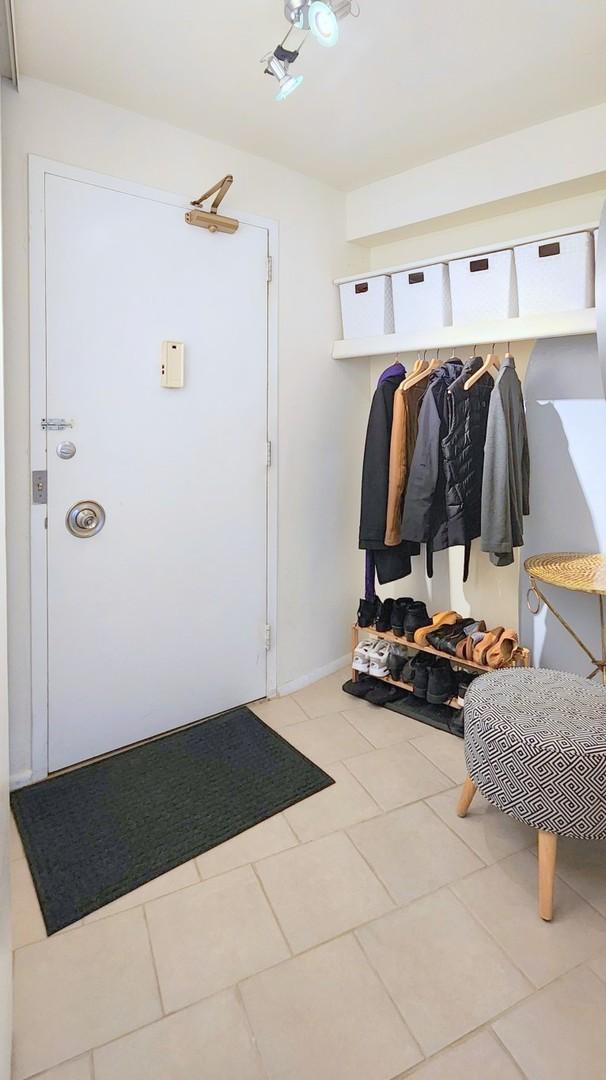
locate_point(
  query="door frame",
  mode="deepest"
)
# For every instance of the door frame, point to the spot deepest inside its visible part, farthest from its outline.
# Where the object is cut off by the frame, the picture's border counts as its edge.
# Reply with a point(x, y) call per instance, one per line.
point(38, 169)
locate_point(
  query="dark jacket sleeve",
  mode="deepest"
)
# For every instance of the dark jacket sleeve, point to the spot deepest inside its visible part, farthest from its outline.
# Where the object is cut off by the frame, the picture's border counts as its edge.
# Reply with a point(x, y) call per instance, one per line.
point(375, 470)
point(525, 469)
point(424, 473)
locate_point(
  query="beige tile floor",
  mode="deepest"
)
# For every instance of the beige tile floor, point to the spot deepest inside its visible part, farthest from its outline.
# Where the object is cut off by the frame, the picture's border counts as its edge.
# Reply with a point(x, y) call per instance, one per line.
point(364, 934)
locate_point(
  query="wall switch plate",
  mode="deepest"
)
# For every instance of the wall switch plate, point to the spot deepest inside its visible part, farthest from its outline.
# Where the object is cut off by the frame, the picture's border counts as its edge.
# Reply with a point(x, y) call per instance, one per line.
point(172, 365)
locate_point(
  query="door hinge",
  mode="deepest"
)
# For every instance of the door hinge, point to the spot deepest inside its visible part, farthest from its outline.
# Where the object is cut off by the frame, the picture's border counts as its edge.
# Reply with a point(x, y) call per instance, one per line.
point(39, 487)
point(55, 424)
point(270, 268)
point(268, 457)
point(267, 638)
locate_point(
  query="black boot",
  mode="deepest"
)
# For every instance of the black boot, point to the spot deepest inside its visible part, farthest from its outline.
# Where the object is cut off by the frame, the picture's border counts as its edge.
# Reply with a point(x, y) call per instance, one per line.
point(416, 617)
point(422, 668)
point(383, 621)
point(398, 612)
point(367, 612)
point(442, 683)
point(395, 661)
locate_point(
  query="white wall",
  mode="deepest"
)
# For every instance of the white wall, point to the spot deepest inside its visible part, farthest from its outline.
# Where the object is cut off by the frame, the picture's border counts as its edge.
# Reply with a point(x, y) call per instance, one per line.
point(563, 151)
point(557, 216)
point(5, 940)
point(566, 414)
point(322, 405)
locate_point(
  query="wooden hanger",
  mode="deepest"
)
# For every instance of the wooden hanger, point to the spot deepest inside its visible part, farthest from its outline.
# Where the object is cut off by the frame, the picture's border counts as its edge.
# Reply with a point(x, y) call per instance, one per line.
point(418, 376)
point(491, 360)
point(420, 364)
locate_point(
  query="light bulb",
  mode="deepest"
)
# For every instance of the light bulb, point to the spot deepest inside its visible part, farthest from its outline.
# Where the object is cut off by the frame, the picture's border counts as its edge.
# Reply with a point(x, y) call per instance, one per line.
point(287, 85)
point(323, 23)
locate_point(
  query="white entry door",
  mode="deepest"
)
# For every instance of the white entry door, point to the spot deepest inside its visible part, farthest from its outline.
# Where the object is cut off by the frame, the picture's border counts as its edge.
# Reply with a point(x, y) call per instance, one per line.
point(158, 619)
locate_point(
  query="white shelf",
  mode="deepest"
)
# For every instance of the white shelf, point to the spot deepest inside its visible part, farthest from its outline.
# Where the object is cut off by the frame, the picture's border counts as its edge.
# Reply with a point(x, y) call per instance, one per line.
point(500, 331)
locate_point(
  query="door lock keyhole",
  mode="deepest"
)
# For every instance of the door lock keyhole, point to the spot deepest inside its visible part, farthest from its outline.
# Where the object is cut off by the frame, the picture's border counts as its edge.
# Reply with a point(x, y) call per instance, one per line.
point(85, 518)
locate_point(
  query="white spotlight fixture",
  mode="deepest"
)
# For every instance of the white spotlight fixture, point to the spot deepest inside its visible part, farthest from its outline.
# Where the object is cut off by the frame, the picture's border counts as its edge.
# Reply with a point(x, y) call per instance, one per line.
point(320, 18)
point(277, 64)
point(323, 23)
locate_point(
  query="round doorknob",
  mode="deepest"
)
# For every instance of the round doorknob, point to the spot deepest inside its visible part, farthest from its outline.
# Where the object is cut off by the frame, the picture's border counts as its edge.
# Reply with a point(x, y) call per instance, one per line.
point(85, 518)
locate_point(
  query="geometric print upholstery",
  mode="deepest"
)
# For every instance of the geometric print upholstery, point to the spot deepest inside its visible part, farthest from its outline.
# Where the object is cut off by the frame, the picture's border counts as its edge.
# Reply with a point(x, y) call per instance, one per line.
point(535, 746)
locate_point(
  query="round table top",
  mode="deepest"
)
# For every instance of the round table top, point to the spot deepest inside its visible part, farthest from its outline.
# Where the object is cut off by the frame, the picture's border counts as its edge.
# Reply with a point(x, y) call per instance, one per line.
point(570, 570)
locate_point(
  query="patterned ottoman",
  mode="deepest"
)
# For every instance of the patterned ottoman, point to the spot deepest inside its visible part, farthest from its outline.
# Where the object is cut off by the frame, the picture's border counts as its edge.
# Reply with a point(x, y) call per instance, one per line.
point(535, 747)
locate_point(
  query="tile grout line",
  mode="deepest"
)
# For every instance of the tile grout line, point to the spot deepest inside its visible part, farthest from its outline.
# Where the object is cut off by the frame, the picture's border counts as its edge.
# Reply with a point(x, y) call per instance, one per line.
point(82, 924)
point(153, 959)
point(506, 1049)
point(468, 847)
point(374, 872)
point(251, 1030)
point(462, 1041)
point(481, 1026)
point(486, 930)
point(458, 783)
point(271, 908)
point(382, 982)
point(389, 809)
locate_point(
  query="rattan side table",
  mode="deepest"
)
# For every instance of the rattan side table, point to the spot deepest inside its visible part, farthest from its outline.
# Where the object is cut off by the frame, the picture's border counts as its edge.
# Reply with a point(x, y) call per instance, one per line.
point(577, 572)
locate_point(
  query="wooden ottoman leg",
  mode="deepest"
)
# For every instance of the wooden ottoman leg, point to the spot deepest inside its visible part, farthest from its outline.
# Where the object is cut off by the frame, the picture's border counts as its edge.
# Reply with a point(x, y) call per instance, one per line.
point(548, 845)
point(466, 797)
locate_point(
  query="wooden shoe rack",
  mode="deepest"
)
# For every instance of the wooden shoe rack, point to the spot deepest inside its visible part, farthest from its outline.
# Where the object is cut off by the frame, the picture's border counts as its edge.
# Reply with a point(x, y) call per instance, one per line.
point(520, 658)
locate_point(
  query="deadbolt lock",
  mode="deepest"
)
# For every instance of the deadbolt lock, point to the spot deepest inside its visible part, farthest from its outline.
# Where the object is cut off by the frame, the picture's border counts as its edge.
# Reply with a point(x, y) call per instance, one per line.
point(85, 518)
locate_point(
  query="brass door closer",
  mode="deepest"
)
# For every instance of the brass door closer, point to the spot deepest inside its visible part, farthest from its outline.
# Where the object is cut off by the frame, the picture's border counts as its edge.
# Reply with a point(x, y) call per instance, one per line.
point(210, 219)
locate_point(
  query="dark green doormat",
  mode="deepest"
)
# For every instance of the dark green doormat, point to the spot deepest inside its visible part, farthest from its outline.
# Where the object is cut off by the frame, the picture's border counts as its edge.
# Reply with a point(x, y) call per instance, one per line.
point(98, 832)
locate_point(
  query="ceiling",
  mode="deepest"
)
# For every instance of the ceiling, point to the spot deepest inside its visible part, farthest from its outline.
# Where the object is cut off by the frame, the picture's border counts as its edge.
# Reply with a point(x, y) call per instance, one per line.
point(410, 81)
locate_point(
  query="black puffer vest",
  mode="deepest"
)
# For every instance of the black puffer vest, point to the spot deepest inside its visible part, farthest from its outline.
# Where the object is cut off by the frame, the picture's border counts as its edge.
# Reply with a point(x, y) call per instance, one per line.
point(463, 454)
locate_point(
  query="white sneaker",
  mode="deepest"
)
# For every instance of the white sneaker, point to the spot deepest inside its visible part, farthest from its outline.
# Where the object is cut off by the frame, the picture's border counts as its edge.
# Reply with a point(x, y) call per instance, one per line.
point(361, 661)
point(378, 660)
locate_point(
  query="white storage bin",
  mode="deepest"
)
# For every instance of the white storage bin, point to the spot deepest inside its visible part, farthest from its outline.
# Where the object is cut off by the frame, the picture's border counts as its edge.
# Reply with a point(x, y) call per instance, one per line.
point(556, 275)
point(421, 299)
point(483, 287)
point(367, 307)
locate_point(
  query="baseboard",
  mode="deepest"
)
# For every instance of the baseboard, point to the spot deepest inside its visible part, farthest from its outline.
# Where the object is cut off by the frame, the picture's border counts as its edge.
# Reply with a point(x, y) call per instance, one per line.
point(20, 779)
point(314, 676)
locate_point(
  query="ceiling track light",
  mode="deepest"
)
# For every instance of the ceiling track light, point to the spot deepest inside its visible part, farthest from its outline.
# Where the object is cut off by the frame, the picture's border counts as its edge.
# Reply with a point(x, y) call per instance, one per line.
point(320, 18)
point(278, 64)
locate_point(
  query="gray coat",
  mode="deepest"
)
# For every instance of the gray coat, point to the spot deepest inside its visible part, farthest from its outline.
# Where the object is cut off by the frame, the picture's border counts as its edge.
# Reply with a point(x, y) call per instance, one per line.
point(505, 483)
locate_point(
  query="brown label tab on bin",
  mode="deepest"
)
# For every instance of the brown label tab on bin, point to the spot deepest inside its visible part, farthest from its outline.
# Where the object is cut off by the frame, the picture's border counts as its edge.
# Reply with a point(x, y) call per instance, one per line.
point(416, 279)
point(478, 264)
point(361, 286)
point(548, 249)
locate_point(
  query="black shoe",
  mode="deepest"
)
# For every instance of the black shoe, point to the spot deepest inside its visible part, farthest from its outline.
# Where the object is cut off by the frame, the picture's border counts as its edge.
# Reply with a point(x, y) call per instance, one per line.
point(408, 671)
point(361, 687)
point(398, 613)
point(395, 661)
point(465, 681)
point(422, 665)
point(367, 612)
point(383, 620)
point(456, 725)
point(416, 617)
point(446, 638)
point(441, 684)
point(385, 694)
